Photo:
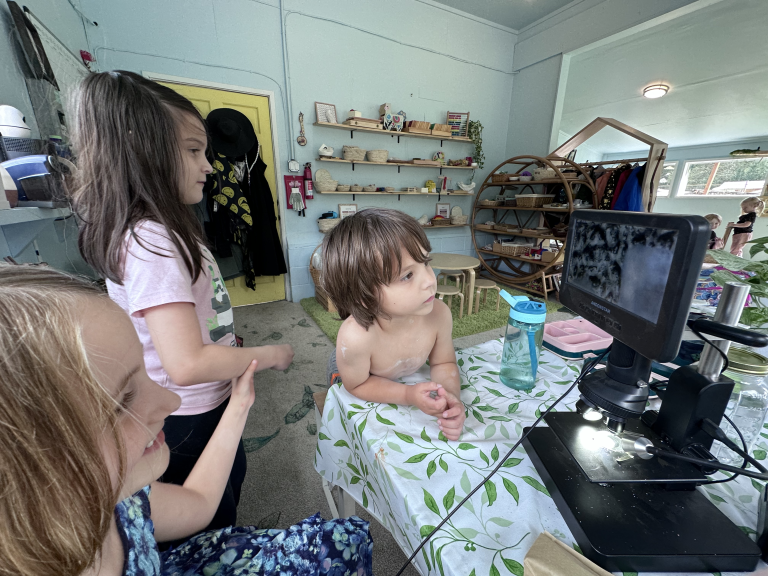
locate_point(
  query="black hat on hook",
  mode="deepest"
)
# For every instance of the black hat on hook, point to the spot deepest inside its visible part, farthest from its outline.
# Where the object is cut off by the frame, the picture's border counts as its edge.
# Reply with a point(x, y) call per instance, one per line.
point(231, 132)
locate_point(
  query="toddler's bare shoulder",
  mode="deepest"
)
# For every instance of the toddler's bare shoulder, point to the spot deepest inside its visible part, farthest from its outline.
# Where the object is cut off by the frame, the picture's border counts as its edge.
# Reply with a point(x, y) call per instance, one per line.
point(354, 337)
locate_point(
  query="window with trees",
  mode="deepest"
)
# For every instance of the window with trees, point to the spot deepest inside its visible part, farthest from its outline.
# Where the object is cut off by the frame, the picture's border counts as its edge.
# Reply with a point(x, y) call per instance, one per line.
point(666, 179)
point(728, 177)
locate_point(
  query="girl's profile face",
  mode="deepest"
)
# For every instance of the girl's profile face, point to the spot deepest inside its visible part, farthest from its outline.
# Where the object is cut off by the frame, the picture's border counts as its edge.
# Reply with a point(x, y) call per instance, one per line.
point(117, 357)
point(195, 166)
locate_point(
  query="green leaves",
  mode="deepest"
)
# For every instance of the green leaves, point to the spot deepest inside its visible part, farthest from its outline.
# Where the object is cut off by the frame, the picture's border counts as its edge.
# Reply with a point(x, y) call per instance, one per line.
point(443, 464)
point(513, 566)
point(492, 391)
point(513, 407)
point(341, 444)
point(533, 483)
point(406, 474)
point(512, 489)
point(760, 454)
point(431, 467)
point(494, 571)
point(466, 446)
point(425, 530)
point(490, 489)
point(417, 458)
point(500, 522)
point(716, 498)
point(728, 260)
point(404, 437)
point(464, 483)
point(510, 462)
point(449, 499)
point(322, 436)
point(383, 420)
point(430, 502)
point(424, 435)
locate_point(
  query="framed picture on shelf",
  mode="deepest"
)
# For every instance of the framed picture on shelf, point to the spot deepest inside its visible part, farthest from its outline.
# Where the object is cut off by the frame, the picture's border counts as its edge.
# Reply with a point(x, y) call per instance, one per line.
point(347, 210)
point(326, 112)
point(443, 209)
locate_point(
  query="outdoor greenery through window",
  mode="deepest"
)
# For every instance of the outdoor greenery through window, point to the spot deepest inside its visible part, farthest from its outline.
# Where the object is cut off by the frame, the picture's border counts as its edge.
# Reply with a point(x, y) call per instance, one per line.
point(731, 177)
point(667, 177)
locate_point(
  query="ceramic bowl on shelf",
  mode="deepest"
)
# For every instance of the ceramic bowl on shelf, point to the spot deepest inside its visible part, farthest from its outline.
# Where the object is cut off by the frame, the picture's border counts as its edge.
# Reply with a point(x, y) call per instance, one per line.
point(526, 178)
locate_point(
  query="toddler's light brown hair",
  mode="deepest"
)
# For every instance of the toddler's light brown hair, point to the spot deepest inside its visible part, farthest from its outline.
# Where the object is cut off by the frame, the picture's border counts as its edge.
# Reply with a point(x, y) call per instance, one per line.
point(363, 253)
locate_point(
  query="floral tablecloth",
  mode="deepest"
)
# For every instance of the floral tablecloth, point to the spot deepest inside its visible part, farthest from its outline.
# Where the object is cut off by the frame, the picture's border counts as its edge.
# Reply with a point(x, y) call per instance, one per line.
point(395, 462)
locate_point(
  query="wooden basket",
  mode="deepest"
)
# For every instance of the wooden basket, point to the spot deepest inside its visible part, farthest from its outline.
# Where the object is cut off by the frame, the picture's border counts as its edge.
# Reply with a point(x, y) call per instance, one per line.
point(353, 153)
point(326, 185)
point(459, 220)
point(490, 203)
point(499, 178)
point(533, 200)
point(327, 224)
point(510, 250)
point(441, 221)
point(343, 188)
point(320, 294)
point(371, 188)
point(380, 156)
point(355, 188)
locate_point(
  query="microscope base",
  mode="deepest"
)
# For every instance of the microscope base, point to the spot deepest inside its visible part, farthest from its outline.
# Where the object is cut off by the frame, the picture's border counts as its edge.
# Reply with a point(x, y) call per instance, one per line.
point(639, 527)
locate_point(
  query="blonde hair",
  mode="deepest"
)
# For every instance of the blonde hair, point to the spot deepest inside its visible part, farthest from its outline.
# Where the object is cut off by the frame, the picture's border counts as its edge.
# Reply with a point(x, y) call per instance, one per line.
point(753, 201)
point(712, 217)
point(56, 496)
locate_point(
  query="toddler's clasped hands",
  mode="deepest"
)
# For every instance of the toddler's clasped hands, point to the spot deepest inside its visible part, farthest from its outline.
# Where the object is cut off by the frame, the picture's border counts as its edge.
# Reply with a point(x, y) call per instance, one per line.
point(445, 406)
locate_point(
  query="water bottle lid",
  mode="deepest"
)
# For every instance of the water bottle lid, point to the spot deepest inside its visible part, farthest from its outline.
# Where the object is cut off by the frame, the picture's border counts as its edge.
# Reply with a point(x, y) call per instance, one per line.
point(523, 309)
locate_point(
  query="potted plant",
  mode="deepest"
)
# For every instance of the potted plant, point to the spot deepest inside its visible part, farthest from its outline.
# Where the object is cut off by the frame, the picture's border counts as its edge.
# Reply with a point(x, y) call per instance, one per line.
point(755, 316)
point(475, 133)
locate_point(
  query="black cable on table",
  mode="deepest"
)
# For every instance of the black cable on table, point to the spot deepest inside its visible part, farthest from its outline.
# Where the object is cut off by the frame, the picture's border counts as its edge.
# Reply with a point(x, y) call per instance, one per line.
point(584, 371)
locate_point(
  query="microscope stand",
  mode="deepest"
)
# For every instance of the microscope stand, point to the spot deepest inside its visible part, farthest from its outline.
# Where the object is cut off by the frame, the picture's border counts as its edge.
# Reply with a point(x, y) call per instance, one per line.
point(639, 527)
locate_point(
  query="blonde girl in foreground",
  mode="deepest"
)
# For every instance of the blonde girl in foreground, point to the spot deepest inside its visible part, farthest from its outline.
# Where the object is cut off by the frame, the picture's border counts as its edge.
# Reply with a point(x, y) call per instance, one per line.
point(81, 448)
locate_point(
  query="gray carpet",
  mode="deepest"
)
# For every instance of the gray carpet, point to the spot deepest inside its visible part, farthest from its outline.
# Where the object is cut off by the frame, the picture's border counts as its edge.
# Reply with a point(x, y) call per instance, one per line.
point(282, 486)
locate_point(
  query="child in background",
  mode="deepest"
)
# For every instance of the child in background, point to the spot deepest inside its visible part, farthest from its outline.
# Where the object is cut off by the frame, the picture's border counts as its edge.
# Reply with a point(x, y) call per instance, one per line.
point(751, 208)
point(715, 220)
point(80, 495)
point(142, 162)
point(376, 271)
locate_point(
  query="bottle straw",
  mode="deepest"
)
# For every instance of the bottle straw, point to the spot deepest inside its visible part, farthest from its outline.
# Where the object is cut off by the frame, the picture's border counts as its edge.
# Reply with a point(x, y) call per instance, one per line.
point(532, 352)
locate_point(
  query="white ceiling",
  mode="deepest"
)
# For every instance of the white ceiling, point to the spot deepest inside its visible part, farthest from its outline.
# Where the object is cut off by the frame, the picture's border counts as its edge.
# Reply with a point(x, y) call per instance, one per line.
point(716, 62)
point(515, 14)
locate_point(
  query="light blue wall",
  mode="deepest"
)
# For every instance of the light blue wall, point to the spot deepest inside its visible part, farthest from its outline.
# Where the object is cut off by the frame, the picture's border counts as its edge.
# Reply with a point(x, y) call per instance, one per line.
point(419, 56)
point(541, 57)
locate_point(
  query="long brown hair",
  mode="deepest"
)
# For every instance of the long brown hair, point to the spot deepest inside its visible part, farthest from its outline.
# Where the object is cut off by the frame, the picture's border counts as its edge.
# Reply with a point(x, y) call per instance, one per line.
point(56, 496)
point(130, 166)
point(363, 253)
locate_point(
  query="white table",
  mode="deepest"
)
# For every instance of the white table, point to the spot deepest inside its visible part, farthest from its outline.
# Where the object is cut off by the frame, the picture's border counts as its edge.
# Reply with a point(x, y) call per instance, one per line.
point(392, 460)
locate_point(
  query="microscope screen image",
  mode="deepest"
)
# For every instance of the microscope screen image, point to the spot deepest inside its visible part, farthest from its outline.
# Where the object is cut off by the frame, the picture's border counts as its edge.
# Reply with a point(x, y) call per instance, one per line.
point(627, 266)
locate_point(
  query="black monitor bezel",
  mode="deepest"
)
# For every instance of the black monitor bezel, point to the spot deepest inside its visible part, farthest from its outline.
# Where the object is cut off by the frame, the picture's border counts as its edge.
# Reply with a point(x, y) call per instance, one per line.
point(657, 341)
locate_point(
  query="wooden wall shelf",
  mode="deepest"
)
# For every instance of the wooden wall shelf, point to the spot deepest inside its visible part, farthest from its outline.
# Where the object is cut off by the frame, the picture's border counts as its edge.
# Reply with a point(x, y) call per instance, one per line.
point(398, 164)
point(353, 129)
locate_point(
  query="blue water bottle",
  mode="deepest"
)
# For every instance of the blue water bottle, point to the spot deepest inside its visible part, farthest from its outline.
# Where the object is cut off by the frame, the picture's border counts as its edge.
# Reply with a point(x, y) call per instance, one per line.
point(522, 342)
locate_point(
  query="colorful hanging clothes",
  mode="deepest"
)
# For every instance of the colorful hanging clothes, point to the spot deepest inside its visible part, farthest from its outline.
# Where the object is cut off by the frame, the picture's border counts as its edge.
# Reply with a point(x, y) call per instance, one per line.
point(600, 184)
point(610, 187)
point(619, 186)
point(631, 198)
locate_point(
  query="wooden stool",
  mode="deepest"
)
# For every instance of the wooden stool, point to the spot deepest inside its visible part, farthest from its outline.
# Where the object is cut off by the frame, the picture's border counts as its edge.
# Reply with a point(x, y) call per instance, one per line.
point(346, 505)
point(484, 284)
point(446, 290)
point(457, 274)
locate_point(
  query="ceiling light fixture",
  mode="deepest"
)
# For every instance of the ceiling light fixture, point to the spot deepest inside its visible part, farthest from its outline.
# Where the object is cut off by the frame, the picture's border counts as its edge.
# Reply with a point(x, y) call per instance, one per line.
point(655, 90)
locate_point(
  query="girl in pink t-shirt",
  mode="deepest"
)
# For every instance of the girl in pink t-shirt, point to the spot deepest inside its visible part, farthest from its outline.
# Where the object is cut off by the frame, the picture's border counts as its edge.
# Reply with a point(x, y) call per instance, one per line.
point(142, 163)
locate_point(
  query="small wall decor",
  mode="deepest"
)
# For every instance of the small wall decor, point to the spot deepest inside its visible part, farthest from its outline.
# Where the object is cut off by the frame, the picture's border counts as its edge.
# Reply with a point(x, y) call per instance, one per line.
point(443, 209)
point(347, 210)
point(302, 140)
point(390, 120)
point(326, 112)
point(439, 156)
point(326, 151)
point(459, 123)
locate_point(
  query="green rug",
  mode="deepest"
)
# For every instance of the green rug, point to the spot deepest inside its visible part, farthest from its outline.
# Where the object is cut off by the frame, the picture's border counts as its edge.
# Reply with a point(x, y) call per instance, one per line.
point(486, 319)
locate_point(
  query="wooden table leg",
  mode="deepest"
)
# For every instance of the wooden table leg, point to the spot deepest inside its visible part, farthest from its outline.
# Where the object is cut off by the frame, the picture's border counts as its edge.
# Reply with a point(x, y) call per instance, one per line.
point(471, 294)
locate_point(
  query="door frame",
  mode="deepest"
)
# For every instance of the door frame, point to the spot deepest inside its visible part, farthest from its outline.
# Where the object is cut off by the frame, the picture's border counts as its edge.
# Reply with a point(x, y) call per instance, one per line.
point(270, 95)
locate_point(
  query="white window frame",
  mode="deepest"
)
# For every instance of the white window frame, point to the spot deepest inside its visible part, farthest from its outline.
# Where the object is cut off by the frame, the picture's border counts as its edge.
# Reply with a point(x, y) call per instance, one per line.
point(672, 188)
point(680, 188)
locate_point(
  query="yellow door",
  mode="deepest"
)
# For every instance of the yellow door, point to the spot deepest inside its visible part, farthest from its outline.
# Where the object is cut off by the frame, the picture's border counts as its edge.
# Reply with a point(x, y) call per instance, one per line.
point(256, 108)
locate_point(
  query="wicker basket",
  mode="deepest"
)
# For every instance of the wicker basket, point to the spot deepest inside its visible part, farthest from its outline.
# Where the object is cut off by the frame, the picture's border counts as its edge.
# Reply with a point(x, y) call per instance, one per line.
point(343, 188)
point(320, 294)
point(510, 202)
point(355, 188)
point(380, 156)
point(389, 189)
point(533, 200)
point(353, 153)
point(490, 203)
point(327, 224)
point(498, 178)
point(510, 250)
point(459, 220)
point(371, 188)
point(322, 175)
point(441, 221)
point(326, 185)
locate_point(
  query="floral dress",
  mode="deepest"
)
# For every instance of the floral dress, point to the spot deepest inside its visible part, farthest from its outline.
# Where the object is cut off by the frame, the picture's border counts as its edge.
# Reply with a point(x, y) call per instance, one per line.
point(314, 546)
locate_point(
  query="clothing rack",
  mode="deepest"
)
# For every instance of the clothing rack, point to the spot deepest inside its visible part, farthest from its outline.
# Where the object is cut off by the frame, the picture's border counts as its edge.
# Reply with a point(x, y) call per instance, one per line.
point(656, 154)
